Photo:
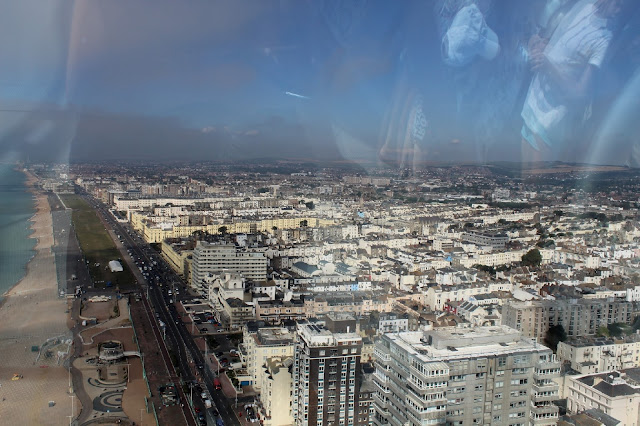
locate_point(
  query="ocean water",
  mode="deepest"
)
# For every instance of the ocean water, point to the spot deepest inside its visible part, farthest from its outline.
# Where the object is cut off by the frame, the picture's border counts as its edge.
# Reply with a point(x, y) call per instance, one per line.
point(17, 206)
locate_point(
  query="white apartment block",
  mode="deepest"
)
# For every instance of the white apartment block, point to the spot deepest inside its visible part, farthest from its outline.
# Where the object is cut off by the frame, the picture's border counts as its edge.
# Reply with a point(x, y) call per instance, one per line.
point(392, 323)
point(214, 258)
point(588, 356)
point(491, 259)
point(615, 393)
point(263, 343)
point(436, 297)
point(275, 398)
point(464, 376)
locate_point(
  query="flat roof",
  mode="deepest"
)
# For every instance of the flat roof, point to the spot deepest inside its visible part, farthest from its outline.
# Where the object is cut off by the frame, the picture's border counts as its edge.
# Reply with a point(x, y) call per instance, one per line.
point(456, 343)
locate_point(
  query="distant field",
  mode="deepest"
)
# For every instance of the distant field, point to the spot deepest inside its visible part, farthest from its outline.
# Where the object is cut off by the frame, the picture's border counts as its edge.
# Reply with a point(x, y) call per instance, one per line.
point(97, 245)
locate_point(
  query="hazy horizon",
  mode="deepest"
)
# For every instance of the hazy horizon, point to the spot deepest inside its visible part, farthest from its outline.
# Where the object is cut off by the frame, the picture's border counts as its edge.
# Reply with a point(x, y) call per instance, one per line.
point(327, 80)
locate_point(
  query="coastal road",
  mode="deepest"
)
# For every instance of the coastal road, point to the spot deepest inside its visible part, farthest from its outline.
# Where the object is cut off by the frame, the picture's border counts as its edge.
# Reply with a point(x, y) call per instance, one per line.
point(174, 333)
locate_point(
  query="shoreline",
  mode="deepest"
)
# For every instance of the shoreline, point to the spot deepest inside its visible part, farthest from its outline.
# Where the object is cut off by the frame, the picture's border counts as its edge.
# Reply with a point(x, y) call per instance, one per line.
point(33, 318)
point(30, 188)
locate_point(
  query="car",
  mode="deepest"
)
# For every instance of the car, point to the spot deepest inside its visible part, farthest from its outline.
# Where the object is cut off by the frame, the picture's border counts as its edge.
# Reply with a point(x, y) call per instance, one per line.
point(205, 329)
point(219, 354)
point(197, 409)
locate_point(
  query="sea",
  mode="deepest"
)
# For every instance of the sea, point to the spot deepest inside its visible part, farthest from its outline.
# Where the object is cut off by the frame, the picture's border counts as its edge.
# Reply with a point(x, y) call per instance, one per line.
point(17, 206)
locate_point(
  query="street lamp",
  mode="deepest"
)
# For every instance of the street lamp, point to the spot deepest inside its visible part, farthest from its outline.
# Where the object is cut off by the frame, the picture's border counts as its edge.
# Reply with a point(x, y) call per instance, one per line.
point(72, 410)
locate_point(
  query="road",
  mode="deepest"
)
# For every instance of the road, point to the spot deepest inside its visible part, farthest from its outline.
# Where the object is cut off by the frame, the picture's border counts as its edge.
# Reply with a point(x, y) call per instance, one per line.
point(174, 333)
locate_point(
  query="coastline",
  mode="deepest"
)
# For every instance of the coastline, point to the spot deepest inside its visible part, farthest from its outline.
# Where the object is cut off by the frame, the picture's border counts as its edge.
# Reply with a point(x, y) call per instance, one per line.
point(30, 188)
point(33, 234)
point(31, 314)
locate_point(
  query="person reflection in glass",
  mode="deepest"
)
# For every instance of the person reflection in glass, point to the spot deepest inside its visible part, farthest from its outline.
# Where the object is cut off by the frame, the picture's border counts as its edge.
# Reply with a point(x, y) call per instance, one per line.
point(565, 66)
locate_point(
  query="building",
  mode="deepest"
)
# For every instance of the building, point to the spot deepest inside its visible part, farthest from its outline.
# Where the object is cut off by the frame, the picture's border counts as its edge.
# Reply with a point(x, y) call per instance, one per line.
point(274, 406)
point(226, 295)
point(494, 240)
point(326, 375)
point(588, 355)
point(463, 376)
point(211, 258)
point(262, 343)
point(438, 296)
point(175, 253)
point(391, 322)
point(276, 311)
point(578, 317)
point(615, 393)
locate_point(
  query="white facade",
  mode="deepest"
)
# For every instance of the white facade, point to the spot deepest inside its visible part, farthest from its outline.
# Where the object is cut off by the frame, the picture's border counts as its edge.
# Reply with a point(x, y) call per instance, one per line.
point(484, 375)
point(215, 258)
point(596, 358)
point(610, 392)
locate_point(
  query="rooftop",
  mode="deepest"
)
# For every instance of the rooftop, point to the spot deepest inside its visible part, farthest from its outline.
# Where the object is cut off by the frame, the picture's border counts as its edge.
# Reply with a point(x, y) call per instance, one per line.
point(461, 343)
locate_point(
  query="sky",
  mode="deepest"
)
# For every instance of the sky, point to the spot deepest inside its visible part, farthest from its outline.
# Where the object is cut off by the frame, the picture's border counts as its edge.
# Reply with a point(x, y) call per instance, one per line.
point(402, 83)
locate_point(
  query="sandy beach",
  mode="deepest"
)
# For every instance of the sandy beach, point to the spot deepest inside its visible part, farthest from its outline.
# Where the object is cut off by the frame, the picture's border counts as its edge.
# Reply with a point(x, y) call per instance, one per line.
point(31, 314)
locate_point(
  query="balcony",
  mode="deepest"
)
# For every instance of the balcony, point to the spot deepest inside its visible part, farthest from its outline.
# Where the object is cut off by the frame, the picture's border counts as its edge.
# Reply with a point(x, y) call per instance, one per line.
point(540, 397)
point(539, 386)
point(383, 389)
point(553, 363)
point(397, 388)
point(379, 421)
point(380, 378)
point(543, 422)
point(539, 410)
point(395, 413)
point(381, 356)
point(380, 405)
point(419, 416)
point(540, 374)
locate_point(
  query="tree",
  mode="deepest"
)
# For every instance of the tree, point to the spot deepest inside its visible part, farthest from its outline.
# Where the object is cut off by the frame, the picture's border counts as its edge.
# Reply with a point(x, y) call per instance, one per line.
point(555, 335)
point(615, 329)
point(223, 230)
point(310, 205)
point(532, 258)
point(304, 223)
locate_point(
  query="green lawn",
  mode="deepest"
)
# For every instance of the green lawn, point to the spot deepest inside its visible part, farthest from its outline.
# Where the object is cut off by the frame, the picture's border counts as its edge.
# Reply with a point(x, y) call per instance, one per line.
point(97, 245)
